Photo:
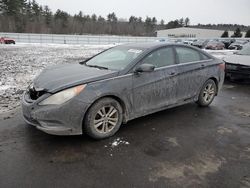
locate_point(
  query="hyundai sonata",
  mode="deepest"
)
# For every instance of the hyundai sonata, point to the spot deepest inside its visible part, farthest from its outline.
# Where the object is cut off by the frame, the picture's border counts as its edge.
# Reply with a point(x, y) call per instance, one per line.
point(120, 84)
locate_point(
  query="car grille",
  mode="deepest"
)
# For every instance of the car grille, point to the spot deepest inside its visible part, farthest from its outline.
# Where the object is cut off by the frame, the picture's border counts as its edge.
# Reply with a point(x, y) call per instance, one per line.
point(244, 68)
point(239, 68)
point(34, 95)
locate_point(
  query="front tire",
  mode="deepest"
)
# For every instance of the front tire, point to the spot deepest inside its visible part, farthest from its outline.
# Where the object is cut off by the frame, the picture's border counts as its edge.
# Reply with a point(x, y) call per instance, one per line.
point(103, 119)
point(207, 93)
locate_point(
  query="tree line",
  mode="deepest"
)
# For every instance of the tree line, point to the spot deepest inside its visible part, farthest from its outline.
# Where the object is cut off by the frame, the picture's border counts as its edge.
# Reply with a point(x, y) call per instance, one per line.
point(30, 17)
point(25, 16)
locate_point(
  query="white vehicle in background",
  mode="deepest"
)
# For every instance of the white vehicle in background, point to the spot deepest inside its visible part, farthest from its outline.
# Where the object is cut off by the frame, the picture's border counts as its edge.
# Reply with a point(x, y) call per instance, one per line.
point(238, 64)
point(189, 41)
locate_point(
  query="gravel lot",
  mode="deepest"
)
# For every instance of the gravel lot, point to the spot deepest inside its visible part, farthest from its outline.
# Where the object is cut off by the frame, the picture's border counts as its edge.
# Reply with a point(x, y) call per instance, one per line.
point(21, 63)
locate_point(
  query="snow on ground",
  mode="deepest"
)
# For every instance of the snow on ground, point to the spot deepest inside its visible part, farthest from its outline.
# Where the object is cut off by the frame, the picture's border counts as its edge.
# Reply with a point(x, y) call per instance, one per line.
point(118, 142)
point(115, 144)
point(19, 64)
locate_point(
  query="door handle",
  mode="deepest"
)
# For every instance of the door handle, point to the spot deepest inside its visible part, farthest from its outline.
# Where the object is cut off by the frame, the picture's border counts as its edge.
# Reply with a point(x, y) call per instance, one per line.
point(202, 65)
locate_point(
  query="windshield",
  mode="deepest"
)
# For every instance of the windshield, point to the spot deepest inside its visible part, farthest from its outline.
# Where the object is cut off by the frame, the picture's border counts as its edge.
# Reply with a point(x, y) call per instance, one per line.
point(115, 58)
point(245, 50)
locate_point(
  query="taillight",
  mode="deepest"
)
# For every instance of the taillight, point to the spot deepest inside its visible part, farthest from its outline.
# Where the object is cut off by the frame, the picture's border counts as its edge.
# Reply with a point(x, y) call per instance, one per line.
point(222, 66)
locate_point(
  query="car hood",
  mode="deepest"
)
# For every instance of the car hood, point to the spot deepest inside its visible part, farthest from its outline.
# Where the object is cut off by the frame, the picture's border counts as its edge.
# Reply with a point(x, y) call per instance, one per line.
point(238, 59)
point(59, 77)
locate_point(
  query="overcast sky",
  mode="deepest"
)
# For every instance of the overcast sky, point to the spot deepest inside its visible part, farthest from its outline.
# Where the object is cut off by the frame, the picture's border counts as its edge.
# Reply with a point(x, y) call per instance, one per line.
point(199, 11)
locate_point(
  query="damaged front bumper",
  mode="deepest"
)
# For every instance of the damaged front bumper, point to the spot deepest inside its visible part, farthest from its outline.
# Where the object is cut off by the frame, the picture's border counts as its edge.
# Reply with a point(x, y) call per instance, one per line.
point(65, 119)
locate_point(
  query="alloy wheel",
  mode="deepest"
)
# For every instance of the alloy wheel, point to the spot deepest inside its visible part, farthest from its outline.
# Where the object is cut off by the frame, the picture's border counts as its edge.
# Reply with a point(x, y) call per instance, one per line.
point(106, 119)
point(209, 93)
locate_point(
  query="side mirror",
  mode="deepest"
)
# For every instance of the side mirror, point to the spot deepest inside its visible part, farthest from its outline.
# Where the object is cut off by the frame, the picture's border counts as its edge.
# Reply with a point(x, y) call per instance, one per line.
point(145, 68)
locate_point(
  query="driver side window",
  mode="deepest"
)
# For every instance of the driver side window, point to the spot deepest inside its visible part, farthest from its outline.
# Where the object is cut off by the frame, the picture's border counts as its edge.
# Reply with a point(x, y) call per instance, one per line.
point(160, 58)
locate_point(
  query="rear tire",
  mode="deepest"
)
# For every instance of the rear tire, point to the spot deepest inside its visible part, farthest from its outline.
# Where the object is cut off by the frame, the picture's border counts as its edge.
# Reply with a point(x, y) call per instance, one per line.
point(207, 93)
point(103, 119)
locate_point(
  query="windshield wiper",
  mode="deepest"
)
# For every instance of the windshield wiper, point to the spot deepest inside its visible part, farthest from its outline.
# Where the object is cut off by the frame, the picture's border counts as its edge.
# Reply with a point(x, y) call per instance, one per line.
point(96, 66)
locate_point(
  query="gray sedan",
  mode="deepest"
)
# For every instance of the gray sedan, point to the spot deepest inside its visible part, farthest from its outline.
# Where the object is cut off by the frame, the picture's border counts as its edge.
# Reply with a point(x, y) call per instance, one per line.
point(120, 84)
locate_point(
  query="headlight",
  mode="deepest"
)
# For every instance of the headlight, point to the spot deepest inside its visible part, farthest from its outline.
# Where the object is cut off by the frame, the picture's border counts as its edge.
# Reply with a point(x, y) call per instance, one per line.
point(63, 96)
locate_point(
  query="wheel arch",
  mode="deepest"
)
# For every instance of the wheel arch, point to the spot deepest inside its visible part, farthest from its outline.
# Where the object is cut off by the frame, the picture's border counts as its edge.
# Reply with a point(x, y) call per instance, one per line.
point(210, 78)
point(216, 83)
point(118, 99)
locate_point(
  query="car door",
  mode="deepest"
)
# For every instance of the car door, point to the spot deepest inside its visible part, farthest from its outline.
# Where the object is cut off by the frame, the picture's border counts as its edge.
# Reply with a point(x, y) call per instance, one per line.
point(191, 70)
point(157, 89)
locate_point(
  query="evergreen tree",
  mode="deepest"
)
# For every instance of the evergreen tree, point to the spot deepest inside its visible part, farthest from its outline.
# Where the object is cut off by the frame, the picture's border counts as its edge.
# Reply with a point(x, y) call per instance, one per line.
point(173, 24)
point(237, 33)
point(48, 15)
point(94, 17)
point(132, 19)
point(247, 34)
point(225, 34)
point(101, 19)
point(112, 17)
point(62, 19)
point(148, 24)
point(112, 21)
point(35, 9)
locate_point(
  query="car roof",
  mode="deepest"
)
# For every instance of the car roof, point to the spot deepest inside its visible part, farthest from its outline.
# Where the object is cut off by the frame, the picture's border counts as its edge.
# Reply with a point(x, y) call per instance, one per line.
point(150, 45)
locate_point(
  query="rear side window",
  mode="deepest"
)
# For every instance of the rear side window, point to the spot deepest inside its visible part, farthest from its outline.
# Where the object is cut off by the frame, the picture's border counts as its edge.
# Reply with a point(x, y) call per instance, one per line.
point(160, 58)
point(187, 55)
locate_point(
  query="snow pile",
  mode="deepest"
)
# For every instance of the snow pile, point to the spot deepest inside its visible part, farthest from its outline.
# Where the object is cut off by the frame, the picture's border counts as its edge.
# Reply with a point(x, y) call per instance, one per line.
point(114, 144)
point(20, 64)
point(118, 142)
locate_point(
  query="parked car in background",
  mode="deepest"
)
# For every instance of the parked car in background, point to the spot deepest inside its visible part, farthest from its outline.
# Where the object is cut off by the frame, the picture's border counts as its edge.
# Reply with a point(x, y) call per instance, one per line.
point(120, 84)
point(238, 44)
point(227, 42)
point(200, 43)
point(5, 40)
point(215, 45)
point(178, 41)
point(189, 41)
point(238, 65)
